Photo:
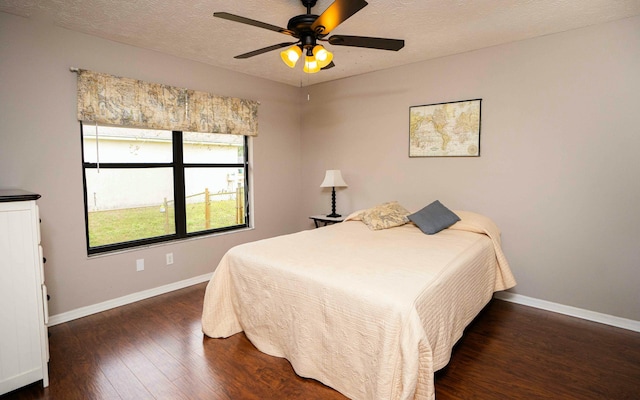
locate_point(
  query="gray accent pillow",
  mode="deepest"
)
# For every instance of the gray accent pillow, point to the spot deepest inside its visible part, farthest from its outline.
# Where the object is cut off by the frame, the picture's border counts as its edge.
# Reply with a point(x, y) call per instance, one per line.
point(434, 218)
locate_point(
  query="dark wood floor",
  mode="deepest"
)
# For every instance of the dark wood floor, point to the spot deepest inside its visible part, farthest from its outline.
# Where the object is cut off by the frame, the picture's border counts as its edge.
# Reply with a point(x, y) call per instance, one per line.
point(154, 349)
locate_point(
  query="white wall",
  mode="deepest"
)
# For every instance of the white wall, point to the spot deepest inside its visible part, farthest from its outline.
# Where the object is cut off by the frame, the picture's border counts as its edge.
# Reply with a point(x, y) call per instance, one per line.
point(40, 151)
point(559, 170)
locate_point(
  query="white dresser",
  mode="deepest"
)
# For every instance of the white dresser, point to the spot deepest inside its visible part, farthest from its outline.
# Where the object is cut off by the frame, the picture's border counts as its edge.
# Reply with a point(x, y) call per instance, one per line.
point(24, 344)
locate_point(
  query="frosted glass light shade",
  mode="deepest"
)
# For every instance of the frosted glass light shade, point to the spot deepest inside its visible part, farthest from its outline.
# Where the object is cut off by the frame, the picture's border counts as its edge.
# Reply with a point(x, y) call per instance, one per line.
point(291, 55)
point(333, 178)
point(311, 65)
point(322, 55)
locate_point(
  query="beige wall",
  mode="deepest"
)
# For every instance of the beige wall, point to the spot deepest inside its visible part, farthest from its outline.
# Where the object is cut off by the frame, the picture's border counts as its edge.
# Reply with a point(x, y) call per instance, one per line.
point(40, 151)
point(559, 169)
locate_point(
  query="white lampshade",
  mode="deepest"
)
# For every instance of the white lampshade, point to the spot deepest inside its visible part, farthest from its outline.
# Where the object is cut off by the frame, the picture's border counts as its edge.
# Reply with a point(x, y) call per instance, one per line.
point(333, 178)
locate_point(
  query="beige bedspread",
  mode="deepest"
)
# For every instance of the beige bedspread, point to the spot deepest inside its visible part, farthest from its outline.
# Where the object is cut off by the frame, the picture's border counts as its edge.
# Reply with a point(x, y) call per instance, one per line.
point(372, 314)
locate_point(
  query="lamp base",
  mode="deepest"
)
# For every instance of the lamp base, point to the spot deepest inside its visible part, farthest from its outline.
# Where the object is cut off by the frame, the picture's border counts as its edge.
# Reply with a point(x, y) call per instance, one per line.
point(333, 205)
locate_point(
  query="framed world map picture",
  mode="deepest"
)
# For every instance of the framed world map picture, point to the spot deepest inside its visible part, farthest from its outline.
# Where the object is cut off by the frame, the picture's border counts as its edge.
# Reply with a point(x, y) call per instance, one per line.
point(445, 129)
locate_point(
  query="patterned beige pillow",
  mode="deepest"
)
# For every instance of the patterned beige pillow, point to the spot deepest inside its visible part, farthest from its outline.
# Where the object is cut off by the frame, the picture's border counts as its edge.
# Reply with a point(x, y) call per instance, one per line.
point(385, 216)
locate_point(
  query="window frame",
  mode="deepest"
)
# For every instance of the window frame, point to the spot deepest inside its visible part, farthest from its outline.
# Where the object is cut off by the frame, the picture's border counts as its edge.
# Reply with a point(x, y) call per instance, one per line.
point(178, 167)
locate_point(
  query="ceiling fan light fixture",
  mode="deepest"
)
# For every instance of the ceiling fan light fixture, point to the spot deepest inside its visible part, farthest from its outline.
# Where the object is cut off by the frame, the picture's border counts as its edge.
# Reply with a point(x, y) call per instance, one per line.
point(322, 55)
point(291, 55)
point(308, 29)
point(311, 65)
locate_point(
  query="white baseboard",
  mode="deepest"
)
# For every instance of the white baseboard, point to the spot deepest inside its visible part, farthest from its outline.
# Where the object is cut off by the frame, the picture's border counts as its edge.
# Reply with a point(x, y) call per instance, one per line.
point(606, 319)
point(128, 299)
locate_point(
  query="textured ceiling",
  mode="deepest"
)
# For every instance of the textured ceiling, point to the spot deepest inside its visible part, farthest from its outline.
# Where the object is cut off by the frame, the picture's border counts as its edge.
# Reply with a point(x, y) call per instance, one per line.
point(430, 28)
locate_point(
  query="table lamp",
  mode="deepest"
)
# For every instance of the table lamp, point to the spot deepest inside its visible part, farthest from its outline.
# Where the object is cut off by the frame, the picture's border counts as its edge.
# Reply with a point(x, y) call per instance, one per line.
point(333, 179)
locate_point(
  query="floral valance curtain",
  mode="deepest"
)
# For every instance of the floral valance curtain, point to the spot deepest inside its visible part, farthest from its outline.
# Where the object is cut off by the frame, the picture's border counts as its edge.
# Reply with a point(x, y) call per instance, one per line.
point(108, 99)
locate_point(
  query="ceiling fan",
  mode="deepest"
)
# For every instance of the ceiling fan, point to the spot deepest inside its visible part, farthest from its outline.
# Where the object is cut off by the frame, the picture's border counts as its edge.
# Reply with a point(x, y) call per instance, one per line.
point(310, 29)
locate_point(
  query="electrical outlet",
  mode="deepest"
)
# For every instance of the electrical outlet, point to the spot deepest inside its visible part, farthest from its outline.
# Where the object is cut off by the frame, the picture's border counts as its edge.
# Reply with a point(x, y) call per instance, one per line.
point(140, 264)
point(169, 258)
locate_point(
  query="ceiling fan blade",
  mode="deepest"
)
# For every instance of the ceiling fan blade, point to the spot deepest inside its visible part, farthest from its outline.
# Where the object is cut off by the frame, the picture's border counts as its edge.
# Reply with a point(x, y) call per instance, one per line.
point(265, 50)
point(338, 12)
point(368, 42)
point(330, 65)
point(252, 22)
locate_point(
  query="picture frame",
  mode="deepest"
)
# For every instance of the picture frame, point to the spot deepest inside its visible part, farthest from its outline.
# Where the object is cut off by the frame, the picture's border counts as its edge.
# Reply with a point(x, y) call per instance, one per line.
point(450, 129)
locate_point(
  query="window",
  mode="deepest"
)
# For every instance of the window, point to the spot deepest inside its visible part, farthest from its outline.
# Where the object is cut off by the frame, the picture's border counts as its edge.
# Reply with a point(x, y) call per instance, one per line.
point(145, 186)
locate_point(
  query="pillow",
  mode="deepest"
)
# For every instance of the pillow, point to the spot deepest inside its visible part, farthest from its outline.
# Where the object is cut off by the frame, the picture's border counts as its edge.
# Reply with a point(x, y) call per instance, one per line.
point(386, 215)
point(355, 216)
point(434, 218)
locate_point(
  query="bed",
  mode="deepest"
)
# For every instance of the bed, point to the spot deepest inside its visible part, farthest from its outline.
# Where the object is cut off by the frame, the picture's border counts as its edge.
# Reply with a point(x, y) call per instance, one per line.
point(372, 314)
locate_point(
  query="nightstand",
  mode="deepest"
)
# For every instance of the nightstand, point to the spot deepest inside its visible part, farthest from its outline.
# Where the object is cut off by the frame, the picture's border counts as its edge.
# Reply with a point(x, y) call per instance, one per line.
point(325, 220)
